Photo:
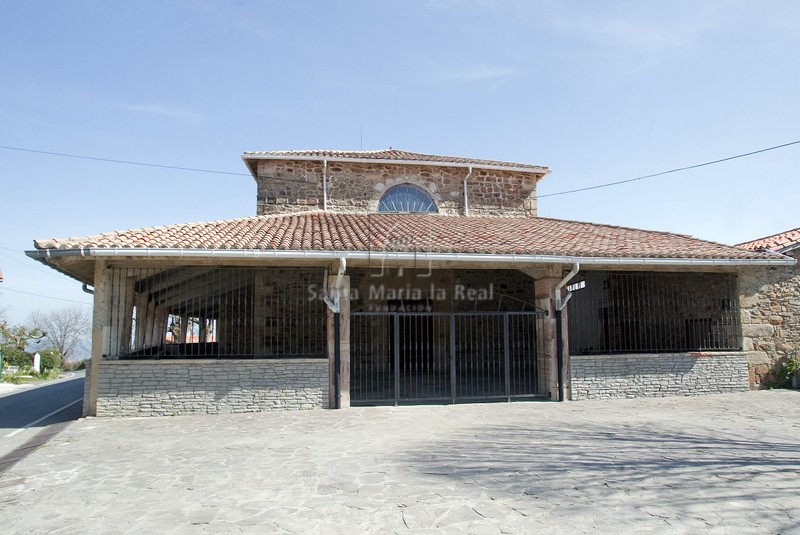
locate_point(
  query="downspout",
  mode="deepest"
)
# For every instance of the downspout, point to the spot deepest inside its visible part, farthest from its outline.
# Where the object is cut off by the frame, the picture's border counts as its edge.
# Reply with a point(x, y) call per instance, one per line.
point(86, 289)
point(560, 304)
point(324, 185)
point(335, 307)
point(466, 202)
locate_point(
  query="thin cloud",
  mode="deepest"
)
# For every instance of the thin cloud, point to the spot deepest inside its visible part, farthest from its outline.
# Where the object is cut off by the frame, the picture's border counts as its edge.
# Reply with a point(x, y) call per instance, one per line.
point(172, 112)
point(26, 118)
point(477, 73)
point(646, 28)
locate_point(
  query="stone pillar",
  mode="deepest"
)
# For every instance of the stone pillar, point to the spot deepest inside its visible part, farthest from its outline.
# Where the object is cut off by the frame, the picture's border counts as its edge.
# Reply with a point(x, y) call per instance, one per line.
point(547, 348)
point(344, 343)
point(101, 334)
point(769, 307)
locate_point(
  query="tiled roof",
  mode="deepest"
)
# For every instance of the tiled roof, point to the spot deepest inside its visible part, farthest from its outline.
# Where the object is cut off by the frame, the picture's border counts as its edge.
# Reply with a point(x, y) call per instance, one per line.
point(326, 231)
point(779, 243)
point(391, 155)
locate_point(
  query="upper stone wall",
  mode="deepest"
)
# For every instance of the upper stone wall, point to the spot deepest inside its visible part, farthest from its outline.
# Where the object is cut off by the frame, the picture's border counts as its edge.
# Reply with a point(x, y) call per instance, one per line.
point(287, 186)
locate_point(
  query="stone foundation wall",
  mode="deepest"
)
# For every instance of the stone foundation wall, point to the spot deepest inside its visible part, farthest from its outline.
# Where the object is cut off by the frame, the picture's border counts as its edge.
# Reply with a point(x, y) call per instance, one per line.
point(286, 186)
point(657, 375)
point(770, 310)
point(172, 387)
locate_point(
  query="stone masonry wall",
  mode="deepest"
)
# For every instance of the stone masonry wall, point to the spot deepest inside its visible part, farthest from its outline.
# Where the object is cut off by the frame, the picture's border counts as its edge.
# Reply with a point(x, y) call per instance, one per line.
point(770, 309)
point(657, 375)
point(296, 186)
point(162, 388)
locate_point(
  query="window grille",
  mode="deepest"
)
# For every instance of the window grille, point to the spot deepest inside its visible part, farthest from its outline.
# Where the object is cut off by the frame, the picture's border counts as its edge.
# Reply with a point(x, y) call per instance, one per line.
point(210, 312)
point(634, 312)
point(406, 198)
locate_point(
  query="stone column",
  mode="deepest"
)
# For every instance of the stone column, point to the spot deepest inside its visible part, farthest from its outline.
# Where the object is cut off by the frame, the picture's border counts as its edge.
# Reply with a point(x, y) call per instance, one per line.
point(101, 334)
point(344, 343)
point(547, 348)
point(769, 307)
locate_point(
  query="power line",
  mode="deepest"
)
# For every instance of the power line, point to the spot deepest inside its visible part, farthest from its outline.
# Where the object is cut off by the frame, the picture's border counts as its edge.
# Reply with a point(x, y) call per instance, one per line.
point(27, 265)
point(126, 162)
point(677, 169)
point(578, 190)
point(4, 288)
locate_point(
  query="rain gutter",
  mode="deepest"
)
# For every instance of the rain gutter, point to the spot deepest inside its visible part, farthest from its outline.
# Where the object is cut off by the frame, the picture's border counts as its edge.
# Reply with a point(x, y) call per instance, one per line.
point(487, 258)
point(560, 304)
point(336, 307)
point(324, 185)
point(466, 201)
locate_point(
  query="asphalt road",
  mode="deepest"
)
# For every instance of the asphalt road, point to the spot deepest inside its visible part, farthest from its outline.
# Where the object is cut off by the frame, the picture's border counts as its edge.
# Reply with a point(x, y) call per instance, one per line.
point(24, 413)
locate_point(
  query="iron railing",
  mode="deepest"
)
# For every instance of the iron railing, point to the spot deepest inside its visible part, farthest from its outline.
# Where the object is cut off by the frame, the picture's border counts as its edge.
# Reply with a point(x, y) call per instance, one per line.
point(217, 312)
point(642, 312)
point(446, 356)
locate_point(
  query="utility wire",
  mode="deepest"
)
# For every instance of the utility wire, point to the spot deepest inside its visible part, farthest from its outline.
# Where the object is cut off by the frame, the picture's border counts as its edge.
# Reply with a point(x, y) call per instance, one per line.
point(145, 164)
point(588, 188)
point(5, 288)
point(27, 265)
point(677, 169)
point(126, 162)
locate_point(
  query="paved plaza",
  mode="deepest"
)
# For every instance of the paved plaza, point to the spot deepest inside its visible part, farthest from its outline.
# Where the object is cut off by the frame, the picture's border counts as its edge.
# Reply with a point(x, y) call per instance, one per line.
point(708, 464)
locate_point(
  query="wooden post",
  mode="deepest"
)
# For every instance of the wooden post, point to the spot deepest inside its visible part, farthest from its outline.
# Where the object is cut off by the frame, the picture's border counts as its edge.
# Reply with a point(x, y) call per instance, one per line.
point(101, 334)
point(547, 349)
point(344, 344)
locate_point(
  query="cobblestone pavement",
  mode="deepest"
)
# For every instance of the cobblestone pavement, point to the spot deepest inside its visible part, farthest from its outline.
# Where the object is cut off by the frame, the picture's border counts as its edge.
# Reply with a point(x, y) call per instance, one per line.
point(712, 464)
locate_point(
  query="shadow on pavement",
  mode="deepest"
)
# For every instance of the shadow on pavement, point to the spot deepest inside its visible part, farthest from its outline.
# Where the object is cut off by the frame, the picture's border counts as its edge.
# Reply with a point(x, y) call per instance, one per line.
point(675, 475)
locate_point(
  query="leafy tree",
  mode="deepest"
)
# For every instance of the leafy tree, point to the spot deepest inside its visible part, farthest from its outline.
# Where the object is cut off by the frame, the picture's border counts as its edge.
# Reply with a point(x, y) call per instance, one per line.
point(19, 336)
point(65, 329)
point(13, 341)
point(50, 359)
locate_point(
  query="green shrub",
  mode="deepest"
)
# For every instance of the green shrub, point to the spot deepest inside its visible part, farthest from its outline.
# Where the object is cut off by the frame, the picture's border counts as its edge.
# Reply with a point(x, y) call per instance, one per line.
point(786, 370)
point(50, 359)
point(16, 357)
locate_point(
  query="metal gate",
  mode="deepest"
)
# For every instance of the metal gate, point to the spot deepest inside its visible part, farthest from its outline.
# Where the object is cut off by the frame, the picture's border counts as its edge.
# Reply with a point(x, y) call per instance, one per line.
point(419, 357)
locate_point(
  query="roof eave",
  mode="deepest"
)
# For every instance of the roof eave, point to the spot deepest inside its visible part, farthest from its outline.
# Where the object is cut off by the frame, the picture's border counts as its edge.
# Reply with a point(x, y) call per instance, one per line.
point(250, 157)
point(788, 248)
point(44, 255)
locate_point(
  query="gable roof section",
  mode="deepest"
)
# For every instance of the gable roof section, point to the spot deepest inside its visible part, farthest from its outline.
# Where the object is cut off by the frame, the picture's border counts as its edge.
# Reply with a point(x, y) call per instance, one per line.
point(779, 243)
point(391, 156)
point(396, 233)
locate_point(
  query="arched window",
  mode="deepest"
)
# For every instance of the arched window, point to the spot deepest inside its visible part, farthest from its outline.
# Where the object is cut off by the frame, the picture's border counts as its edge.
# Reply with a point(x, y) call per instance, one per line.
point(406, 198)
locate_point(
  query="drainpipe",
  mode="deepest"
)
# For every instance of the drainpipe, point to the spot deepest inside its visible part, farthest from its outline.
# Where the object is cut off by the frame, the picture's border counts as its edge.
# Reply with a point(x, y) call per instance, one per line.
point(324, 185)
point(560, 304)
point(86, 289)
point(335, 307)
point(466, 203)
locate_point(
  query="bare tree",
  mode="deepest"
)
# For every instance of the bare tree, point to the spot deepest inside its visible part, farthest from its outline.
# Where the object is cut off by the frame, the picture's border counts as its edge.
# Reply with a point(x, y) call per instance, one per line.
point(66, 329)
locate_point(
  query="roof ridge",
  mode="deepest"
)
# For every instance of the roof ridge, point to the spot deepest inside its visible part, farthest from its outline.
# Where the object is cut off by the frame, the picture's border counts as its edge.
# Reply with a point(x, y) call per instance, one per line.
point(767, 238)
point(392, 154)
point(302, 151)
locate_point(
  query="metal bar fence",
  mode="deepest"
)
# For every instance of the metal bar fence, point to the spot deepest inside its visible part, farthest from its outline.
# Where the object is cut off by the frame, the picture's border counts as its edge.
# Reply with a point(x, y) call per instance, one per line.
point(216, 312)
point(399, 357)
point(635, 312)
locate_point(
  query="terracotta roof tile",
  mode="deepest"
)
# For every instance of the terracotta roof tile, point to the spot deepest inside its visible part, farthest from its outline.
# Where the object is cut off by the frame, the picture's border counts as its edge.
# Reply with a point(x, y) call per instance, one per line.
point(326, 231)
point(390, 154)
point(785, 241)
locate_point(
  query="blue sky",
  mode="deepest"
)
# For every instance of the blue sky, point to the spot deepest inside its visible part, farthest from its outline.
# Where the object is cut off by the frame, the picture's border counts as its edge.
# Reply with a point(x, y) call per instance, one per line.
point(597, 91)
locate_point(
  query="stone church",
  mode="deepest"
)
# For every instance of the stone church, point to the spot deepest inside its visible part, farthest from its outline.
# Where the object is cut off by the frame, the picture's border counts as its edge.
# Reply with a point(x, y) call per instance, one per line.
point(393, 277)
